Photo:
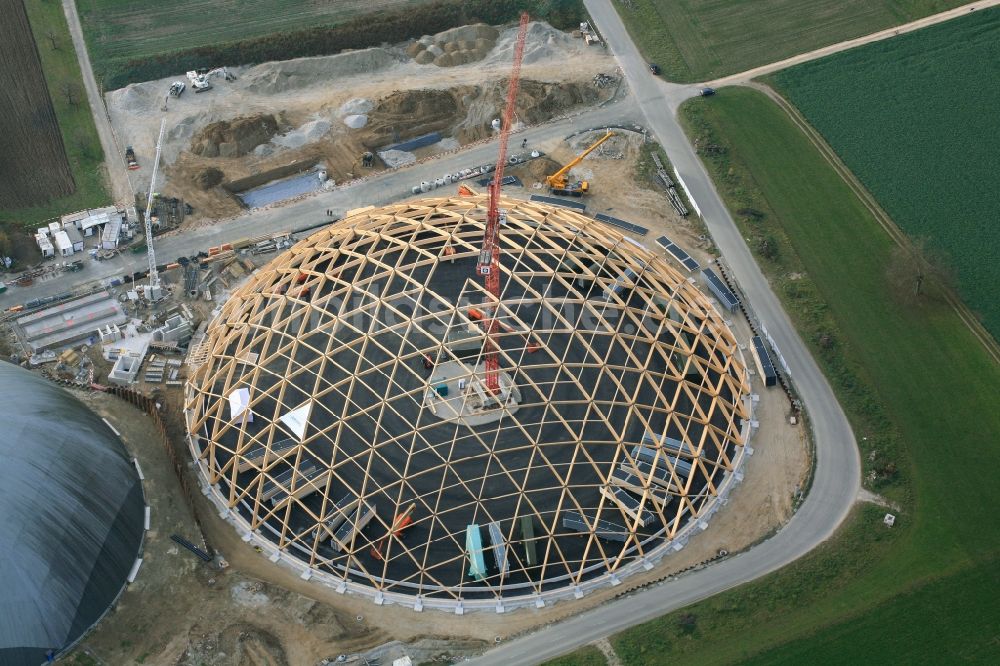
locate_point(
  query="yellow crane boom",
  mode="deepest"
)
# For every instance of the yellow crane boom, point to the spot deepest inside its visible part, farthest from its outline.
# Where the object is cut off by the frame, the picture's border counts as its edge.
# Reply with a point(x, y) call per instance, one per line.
point(557, 181)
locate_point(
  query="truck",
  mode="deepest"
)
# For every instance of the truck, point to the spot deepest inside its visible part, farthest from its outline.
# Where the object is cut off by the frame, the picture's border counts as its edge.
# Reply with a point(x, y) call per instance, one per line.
point(130, 158)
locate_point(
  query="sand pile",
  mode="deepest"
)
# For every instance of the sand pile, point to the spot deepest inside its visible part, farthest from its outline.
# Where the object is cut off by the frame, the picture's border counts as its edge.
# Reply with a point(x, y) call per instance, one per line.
point(397, 158)
point(276, 77)
point(356, 121)
point(458, 46)
point(308, 133)
point(234, 138)
point(541, 42)
point(356, 106)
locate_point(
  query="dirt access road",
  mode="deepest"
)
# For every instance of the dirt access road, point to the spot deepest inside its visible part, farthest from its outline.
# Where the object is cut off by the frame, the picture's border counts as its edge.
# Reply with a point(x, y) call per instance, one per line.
point(114, 164)
point(750, 74)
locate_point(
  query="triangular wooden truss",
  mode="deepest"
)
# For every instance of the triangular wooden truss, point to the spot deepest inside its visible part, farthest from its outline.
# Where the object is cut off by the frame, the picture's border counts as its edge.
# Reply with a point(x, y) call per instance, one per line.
point(343, 323)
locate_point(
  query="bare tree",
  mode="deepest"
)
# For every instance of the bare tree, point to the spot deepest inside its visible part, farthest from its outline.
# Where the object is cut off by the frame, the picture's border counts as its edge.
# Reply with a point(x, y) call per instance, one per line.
point(918, 271)
point(71, 92)
point(53, 39)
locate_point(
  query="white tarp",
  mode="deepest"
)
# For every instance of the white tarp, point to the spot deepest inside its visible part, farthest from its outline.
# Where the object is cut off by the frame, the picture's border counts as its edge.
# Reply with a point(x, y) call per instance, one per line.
point(297, 420)
point(239, 405)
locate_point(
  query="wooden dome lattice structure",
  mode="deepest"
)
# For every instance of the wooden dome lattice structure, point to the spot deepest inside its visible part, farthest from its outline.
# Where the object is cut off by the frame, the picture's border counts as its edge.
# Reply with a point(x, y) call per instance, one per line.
point(339, 384)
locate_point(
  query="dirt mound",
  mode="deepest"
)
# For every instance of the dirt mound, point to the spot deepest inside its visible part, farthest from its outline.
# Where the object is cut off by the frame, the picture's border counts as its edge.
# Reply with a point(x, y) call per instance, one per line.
point(240, 644)
point(537, 101)
point(208, 178)
point(541, 42)
point(234, 138)
point(276, 77)
point(458, 46)
point(409, 113)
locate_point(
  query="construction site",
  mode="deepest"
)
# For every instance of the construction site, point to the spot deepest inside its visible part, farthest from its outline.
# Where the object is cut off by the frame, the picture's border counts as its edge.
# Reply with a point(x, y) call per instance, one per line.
point(429, 348)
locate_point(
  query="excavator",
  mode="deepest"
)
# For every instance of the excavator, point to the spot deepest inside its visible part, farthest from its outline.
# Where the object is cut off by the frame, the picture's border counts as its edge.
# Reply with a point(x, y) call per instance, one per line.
point(200, 79)
point(559, 184)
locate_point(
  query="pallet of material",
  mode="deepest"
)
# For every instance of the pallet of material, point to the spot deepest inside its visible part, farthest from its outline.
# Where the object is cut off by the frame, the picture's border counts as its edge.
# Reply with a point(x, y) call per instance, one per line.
point(305, 485)
point(627, 276)
point(556, 201)
point(658, 475)
point(602, 529)
point(474, 551)
point(622, 224)
point(721, 290)
point(677, 253)
point(650, 444)
point(633, 484)
point(681, 466)
point(528, 538)
point(763, 361)
point(629, 505)
point(342, 539)
point(283, 480)
point(258, 456)
point(499, 547)
point(340, 512)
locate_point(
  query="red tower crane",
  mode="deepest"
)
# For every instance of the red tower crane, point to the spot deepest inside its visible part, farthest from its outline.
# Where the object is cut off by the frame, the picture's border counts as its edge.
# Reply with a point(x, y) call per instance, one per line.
point(489, 256)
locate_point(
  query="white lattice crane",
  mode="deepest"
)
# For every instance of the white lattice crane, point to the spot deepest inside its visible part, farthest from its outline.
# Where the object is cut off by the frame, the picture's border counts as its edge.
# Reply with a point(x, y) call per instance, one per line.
point(153, 291)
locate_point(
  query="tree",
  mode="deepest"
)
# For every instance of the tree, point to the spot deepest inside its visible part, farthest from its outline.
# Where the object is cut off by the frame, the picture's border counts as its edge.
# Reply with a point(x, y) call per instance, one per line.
point(85, 146)
point(53, 39)
point(71, 92)
point(687, 623)
point(6, 246)
point(917, 271)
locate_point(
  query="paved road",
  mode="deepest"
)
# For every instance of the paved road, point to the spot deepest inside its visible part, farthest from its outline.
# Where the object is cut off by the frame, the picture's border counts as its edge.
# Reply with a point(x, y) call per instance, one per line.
point(744, 77)
point(384, 188)
point(121, 189)
point(837, 477)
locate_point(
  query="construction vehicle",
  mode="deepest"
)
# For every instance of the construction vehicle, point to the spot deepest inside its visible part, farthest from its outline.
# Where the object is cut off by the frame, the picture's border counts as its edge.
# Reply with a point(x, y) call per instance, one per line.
point(154, 290)
point(399, 524)
point(559, 184)
point(130, 158)
point(201, 79)
point(488, 264)
point(176, 89)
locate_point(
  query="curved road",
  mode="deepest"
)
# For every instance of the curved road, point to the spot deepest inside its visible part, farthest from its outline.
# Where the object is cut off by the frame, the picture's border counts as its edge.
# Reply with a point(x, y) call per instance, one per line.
point(838, 468)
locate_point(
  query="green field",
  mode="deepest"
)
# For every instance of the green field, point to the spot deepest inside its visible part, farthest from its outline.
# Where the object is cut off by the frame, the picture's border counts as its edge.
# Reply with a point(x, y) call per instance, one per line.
point(921, 394)
point(124, 29)
point(83, 147)
point(134, 41)
point(699, 40)
point(914, 117)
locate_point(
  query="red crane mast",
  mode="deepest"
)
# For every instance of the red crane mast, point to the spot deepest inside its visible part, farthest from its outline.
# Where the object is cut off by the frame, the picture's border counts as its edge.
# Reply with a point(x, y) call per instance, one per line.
point(489, 256)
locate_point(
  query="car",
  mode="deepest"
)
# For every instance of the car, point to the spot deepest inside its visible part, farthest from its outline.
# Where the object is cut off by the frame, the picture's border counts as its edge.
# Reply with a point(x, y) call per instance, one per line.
point(705, 92)
point(654, 68)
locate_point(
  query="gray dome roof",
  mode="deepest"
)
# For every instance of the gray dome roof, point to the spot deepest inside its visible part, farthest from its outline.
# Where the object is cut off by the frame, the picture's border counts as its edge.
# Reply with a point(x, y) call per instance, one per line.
point(71, 517)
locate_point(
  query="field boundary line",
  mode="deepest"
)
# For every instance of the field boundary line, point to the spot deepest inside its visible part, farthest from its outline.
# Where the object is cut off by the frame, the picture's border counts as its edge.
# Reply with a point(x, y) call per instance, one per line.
point(741, 78)
point(871, 203)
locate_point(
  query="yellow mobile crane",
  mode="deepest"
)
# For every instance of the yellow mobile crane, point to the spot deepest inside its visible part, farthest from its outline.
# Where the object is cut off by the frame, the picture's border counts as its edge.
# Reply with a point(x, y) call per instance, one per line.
point(557, 182)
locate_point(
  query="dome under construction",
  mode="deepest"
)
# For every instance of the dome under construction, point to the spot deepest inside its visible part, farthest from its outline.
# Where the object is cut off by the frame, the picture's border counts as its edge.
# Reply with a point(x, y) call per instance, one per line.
point(344, 417)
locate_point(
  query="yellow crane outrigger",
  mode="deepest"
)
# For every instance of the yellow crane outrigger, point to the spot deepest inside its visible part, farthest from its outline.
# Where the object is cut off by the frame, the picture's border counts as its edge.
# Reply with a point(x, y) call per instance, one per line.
point(559, 185)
